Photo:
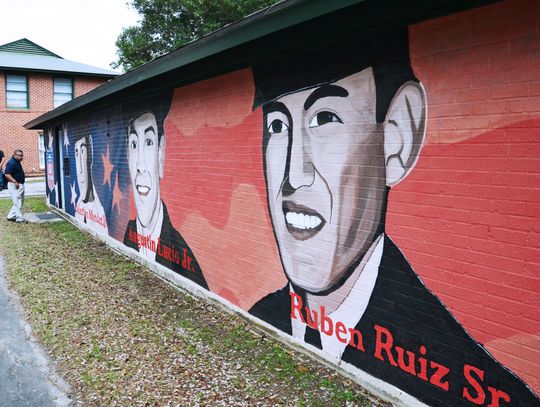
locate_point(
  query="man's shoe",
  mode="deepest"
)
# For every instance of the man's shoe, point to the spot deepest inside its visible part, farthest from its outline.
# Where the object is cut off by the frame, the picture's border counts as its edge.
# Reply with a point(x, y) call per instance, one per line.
point(21, 220)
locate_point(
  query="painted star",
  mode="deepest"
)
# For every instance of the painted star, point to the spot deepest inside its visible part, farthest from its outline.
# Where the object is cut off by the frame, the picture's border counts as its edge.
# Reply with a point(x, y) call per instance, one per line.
point(107, 166)
point(56, 194)
point(117, 194)
point(73, 194)
point(66, 140)
point(49, 133)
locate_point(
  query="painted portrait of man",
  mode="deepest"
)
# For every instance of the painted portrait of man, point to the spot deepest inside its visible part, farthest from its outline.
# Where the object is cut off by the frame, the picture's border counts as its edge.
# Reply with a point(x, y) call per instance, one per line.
point(88, 208)
point(341, 127)
point(151, 233)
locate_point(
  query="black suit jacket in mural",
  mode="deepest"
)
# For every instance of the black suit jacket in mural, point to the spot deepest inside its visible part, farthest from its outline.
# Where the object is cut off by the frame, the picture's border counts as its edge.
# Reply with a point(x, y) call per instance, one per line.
point(440, 361)
point(172, 251)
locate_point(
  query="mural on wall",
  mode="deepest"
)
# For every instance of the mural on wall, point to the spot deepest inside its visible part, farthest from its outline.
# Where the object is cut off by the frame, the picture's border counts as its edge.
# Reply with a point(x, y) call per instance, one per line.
point(151, 233)
point(318, 194)
point(336, 137)
point(88, 208)
point(49, 164)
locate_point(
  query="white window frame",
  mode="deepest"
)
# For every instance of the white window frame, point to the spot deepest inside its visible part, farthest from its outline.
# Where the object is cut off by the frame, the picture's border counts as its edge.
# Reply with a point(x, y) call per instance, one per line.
point(25, 92)
point(56, 102)
point(41, 149)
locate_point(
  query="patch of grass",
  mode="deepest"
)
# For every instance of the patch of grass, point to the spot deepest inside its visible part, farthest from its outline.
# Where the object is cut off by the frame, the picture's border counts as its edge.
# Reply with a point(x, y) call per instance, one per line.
point(31, 204)
point(123, 337)
point(35, 204)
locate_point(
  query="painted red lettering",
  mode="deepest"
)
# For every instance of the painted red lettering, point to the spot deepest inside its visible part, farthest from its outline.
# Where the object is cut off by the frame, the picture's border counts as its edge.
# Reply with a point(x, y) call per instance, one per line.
point(438, 378)
point(497, 395)
point(296, 304)
point(480, 394)
point(422, 374)
point(327, 327)
point(409, 368)
point(313, 322)
point(384, 344)
point(341, 329)
point(184, 260)
point(355, 333)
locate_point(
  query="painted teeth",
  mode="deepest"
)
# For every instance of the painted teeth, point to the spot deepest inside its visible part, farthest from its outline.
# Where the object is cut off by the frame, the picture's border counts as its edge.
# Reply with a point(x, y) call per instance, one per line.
point(143, 190)
point(302, 221)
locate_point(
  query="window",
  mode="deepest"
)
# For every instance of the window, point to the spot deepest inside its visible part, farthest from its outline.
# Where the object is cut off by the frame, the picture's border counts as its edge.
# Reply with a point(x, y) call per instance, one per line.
point(63, 91)
point(41, 148)
point(17, 91)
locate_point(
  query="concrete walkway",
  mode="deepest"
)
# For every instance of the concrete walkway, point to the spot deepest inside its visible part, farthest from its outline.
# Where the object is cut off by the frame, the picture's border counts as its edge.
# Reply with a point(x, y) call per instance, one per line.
point(34, 187)
point(27, 377)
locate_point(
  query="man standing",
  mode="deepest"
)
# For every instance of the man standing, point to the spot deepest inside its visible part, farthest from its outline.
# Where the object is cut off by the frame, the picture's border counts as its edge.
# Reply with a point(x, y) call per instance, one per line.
point(2, 159)
point(15, 176)
point(341, 127)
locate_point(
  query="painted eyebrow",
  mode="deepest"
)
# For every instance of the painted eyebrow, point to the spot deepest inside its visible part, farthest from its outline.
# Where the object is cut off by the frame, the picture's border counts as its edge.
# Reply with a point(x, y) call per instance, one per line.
point(323, 92)
point(150, 128)
point(276, 107)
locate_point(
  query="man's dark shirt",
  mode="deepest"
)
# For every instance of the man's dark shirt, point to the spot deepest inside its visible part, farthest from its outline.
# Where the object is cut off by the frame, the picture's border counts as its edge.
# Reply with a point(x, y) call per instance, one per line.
point(1, 155)
point(15, 168)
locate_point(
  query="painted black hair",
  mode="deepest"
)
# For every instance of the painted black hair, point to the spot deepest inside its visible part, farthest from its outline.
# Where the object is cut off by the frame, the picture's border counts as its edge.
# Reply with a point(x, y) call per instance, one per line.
point(387, 54)
point(157, 104)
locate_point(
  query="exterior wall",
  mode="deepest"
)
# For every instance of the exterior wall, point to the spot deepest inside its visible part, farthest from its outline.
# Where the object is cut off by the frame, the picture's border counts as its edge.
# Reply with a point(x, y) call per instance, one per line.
point(12, 133)
point(269, 191)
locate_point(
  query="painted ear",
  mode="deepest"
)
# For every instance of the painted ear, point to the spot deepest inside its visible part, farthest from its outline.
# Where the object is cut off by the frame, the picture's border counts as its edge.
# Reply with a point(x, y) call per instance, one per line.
point(161, 156)
point(404, 130)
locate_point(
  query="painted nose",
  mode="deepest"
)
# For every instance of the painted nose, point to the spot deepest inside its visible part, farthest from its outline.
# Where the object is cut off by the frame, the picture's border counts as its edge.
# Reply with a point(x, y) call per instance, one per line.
point(141, 163)
point(301, 169)
point(80, 159)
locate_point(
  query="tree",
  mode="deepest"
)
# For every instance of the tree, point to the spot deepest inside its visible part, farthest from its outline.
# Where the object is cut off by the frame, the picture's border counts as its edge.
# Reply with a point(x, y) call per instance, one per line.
point(169, 24)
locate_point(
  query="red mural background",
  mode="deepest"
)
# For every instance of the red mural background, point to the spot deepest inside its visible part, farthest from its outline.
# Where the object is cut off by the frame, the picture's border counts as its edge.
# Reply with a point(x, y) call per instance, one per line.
point(467, 217)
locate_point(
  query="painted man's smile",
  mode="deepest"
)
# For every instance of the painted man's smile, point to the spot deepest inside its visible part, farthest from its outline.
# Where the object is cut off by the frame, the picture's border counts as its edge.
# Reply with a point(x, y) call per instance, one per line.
point(143, 190)
point(302, 222)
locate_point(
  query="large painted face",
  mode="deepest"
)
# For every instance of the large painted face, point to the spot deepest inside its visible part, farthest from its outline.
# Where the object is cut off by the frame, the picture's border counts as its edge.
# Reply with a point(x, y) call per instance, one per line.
point(325, 178)
point(145, 157)
point(81, 164)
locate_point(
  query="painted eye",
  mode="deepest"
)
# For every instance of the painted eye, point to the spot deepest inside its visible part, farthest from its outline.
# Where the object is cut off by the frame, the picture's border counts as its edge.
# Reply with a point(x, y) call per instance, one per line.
point(133, 144)
point(149, 142)
point(322, 118)
point(76, 152)
point(277, 126)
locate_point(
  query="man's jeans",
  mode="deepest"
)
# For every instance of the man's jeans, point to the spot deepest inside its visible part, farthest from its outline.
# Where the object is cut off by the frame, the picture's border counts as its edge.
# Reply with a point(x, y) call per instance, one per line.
point(17, 196)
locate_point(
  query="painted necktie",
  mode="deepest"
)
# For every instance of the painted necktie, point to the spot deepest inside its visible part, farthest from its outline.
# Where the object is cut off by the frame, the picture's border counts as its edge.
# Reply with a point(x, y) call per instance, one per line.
point(313, 337)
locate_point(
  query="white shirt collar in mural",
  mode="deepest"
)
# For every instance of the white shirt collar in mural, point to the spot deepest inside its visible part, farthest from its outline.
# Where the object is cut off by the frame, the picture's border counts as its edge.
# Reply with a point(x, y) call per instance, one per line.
point(351, 310)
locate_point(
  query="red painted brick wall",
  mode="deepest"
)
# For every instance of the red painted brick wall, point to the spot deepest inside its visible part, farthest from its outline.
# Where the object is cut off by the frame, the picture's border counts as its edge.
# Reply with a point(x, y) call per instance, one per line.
point(12, 133)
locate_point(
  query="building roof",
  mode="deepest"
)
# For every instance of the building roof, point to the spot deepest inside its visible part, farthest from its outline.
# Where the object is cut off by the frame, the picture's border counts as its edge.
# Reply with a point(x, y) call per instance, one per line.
point(25, 55)
point(286, 28)
point(25, 46)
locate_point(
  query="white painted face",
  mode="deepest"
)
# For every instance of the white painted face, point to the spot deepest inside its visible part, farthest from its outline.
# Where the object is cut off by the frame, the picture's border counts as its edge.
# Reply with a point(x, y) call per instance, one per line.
point(325, 178)
point(145, 157)
point(81, 165)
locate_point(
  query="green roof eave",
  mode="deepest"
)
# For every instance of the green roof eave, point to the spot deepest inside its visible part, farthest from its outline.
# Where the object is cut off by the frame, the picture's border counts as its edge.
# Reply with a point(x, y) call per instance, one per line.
point(282, 28)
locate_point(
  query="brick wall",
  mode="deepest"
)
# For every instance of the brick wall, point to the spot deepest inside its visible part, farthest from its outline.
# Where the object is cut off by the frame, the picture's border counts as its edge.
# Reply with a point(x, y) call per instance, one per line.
point(239, 201)
point(12, 133)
